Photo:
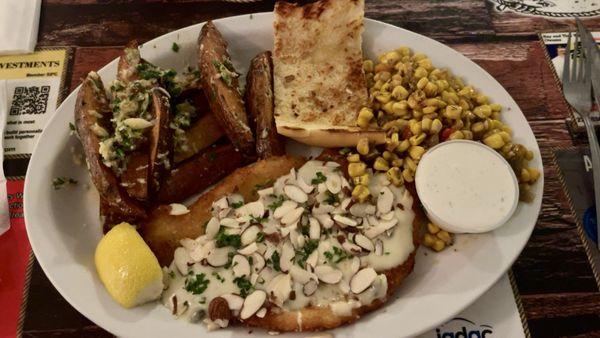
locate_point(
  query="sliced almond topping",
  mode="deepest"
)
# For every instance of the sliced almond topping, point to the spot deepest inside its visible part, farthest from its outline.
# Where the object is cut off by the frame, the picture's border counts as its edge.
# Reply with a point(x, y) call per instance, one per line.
point(279, 288)
point(292, 216)
point(355, 265)
point(218, 257)
point(362, 280)
point(359, 209)
point(310, 287)
point(345, 220)
point(300, 275)
point(313, 258)
point(385, 200)
point(261, 313)
point(301, 240)
point(224, 212)
point(212, 228)
point(235, 302)
point(344, 286)
point(248, 249)
point(295, 193)
point(221, 203)
point(255, 209)
point(266, 192)
point(181, 259)
point(364, 242)
point(252, 303)
point(325, 220)
point(178, 209)
point(218, 308)
point(378, 247)
point(287, 254)
point(285, 208)
point(333, 183)
point(352, 248)
point(388, 216)
point(380, 228)
point(328, 274)
point(249, 235)
point(230, 223)
point(258, 262)
point(344, 205)
point(314, 231)
point(307, 188)
point(240, 266)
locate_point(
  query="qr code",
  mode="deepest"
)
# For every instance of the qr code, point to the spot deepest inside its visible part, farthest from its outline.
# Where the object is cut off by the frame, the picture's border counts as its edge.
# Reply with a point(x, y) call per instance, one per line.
point(30, 100)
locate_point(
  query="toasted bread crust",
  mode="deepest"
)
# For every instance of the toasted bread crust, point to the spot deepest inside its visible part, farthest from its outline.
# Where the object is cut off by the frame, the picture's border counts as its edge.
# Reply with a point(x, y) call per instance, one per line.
point(319, 82)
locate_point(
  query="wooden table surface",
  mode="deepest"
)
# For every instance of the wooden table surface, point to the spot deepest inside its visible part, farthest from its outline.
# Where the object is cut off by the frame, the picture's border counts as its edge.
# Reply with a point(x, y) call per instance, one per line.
point(557, 285)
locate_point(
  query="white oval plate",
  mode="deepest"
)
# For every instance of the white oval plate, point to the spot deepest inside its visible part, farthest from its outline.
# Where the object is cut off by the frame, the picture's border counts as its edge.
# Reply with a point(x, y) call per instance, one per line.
point(63, 225)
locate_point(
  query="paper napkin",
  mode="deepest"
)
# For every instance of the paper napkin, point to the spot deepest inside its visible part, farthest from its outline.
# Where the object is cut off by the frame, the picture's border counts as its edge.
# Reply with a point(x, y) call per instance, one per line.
point(19, 21)
point(4, 216)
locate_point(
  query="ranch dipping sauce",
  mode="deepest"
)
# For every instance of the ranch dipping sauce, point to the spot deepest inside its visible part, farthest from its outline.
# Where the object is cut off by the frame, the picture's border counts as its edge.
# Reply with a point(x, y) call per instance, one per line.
point(466, 187)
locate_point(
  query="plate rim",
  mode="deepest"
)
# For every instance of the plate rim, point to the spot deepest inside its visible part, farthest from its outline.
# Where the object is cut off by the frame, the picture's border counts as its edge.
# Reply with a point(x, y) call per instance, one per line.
point(114, 329)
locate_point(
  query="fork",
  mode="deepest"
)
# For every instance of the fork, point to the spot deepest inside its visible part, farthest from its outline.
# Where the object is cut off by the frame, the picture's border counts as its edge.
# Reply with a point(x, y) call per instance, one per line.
point(577, 88)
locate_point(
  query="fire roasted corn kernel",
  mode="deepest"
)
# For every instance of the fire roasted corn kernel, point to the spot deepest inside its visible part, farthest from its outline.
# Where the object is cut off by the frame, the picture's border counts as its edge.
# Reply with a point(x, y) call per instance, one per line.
point(364, 117)
point(395, 176)
point(381, 164)
point(363, 146)
point(356, 169)
point(360, 193)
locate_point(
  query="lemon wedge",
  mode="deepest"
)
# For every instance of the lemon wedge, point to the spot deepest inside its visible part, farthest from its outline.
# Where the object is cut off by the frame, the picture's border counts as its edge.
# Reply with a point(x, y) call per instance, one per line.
point(127, 267)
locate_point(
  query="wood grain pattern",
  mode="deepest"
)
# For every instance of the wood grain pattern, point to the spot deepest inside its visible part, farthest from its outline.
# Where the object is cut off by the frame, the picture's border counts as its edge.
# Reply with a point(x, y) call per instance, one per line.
point(521, 67)
point(114, 24)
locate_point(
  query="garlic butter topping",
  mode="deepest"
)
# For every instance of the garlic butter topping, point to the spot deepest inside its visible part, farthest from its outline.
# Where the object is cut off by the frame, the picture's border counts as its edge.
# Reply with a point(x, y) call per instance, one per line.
point(304, 242)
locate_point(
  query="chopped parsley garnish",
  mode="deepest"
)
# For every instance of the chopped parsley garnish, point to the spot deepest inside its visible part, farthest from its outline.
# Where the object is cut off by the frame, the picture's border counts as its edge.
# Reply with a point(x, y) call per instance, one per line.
point(319, 179)
point(223, 239)
point(244, 285)
point(276, 204)
point(236, 205)
point(172, 274)
point(257, 220)
point(72, 128)
point(261, 186)
point(260, 237)
point(336, 256)
point(345, 151)
point(196, 285)
point(274, 261)
point(229, 260)
point(307, 249)
point(148, 71)
point(175, 47)
point(332, 198)
point(251, 260)
point(60, 182)
point(218, 277)
point(225, 70)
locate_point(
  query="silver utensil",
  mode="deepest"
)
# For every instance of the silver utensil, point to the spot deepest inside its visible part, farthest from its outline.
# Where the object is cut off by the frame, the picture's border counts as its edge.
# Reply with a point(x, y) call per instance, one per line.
point(577, 88)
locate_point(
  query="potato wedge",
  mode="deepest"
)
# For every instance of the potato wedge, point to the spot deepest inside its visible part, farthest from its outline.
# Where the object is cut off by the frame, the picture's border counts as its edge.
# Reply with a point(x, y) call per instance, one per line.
point(135, 176)
point(199, 173)
point(201, 134)
point(260, 106)
point(161, 153)
point(219, 82)
point(163, 231)
point(92, 117)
